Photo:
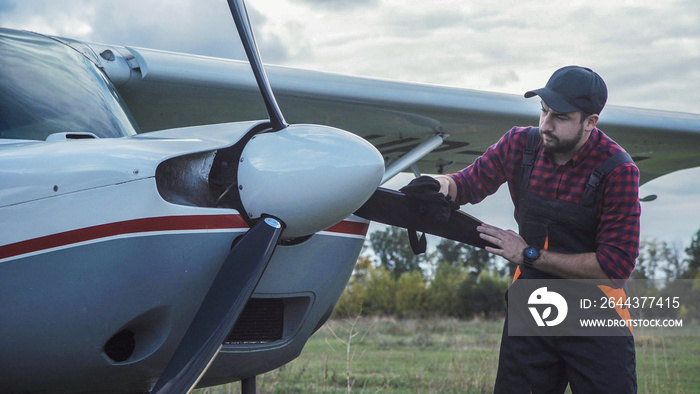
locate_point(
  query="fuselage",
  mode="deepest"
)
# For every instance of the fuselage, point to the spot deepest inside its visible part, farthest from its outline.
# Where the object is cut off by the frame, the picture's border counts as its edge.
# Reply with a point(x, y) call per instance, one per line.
point(108, 242)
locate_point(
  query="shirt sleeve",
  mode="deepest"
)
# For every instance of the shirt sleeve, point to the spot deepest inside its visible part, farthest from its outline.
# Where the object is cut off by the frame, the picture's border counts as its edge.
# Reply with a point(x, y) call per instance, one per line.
point(618, 231)
point(490, 170)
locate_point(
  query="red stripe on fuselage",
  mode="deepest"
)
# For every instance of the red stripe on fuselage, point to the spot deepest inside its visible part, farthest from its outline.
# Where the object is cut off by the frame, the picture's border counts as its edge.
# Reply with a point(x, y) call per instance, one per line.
point(352, 228)
point(165, 223)
point(144, 225)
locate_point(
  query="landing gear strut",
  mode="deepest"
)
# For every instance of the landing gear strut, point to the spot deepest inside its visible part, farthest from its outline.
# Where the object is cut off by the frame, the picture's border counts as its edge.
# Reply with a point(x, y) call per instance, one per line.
point(248, 385)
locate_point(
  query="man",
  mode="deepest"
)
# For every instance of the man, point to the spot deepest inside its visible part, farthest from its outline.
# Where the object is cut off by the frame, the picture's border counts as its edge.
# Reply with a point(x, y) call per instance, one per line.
point(576, 201)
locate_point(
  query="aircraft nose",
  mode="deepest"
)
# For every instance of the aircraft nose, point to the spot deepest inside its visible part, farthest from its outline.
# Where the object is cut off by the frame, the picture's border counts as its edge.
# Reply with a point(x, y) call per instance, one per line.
point(309, 176)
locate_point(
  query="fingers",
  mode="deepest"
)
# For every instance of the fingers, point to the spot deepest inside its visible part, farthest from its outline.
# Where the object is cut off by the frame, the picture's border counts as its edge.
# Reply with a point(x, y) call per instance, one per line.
point(490, 236)
point(509, 244)
point(489, 232)
point(498, 252)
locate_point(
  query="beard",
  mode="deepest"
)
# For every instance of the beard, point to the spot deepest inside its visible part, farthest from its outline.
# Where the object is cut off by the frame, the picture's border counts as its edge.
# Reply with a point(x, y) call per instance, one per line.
point(557, 145)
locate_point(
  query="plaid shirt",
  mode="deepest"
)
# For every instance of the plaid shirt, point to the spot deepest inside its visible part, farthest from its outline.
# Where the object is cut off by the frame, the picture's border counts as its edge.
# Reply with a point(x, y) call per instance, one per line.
point(618, 212)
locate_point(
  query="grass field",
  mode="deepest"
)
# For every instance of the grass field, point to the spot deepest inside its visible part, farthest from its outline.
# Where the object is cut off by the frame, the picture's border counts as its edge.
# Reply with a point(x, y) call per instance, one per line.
point(387, 355)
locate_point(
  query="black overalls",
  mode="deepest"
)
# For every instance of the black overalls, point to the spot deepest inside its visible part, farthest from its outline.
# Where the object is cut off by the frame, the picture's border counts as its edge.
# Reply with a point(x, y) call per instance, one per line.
point(541, 364)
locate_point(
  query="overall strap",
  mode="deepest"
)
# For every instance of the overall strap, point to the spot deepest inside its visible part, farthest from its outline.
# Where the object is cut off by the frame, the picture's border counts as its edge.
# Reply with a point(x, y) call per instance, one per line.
point(529, 155)
point(528, 162)
point(589, 195)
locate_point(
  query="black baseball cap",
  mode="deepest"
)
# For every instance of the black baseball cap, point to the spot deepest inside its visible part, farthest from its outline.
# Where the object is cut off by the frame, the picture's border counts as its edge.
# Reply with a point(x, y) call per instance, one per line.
point(573, 88)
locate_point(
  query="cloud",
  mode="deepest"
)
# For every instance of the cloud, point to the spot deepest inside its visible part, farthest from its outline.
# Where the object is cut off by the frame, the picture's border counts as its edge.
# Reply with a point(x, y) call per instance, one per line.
point(54, 18)
point(337, 5)
point(279, 41)
point(503, 79)
point(646, 51)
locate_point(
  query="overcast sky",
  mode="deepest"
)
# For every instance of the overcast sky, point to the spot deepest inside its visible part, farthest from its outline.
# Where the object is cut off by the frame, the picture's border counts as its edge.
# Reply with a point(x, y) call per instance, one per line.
point(647, 51)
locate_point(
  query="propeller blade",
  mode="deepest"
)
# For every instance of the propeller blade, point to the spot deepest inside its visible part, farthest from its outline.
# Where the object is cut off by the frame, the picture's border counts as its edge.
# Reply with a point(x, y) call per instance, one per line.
point(396, 209)
point(221, 307)
point(245, 31)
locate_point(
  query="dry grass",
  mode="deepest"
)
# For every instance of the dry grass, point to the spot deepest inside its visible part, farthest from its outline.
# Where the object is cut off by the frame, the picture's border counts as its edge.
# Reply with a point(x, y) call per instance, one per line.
point(386, 355)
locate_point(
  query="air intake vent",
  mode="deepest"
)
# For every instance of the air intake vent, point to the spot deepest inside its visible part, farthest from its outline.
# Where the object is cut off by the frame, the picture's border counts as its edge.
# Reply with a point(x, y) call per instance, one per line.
point(121, 346)
point(261, 322)
point(71, 136)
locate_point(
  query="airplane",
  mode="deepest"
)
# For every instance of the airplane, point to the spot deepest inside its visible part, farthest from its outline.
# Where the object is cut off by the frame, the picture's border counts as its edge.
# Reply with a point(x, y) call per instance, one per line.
point(153, 238)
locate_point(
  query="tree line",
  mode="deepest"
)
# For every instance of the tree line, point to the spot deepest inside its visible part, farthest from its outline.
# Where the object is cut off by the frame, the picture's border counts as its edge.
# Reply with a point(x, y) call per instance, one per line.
point(458, 280)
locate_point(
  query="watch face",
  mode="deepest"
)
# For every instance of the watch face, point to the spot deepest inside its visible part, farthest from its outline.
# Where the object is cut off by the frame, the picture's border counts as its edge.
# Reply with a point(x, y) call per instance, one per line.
point(531, 252)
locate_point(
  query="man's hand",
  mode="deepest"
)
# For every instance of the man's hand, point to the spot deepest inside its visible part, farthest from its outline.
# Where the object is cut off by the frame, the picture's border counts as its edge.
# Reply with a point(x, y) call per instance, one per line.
point(448, 187)
point(510, 243)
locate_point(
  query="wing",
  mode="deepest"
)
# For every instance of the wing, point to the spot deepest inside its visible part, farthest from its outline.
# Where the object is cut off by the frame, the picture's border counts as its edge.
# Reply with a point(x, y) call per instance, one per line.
point(167, 90)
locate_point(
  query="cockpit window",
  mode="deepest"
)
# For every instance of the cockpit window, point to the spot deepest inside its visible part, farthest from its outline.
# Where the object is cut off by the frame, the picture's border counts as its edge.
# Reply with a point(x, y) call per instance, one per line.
point(47, 87)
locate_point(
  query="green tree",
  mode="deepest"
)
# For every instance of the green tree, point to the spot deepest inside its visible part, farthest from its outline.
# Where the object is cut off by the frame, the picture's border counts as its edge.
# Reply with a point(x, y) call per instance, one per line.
point(483, 295)
point(394, 251)
point(489, 292)
point(380, 295)
point(410, 294)
point(691, 310)
point(479, 260)
point(450, 252)
point(693, 259)
point(463, 255)
point(662, 260)
point(465, 297)
point(648, 261)
point(674, 265)
point(442, 296)
point(352, 300)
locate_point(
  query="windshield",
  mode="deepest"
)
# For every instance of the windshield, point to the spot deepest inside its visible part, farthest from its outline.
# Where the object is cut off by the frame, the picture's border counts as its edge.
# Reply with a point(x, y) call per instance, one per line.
point(46, 87)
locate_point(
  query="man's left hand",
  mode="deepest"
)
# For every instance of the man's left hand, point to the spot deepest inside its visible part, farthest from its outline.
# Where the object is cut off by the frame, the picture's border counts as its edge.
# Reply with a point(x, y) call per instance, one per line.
point(510, 244)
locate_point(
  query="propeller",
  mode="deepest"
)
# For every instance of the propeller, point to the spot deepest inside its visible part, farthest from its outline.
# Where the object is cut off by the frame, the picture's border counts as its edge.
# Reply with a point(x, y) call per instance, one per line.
point(242, 269)
point(240, 16)
point(221, 307)
point(293, 172)
point(281, 180)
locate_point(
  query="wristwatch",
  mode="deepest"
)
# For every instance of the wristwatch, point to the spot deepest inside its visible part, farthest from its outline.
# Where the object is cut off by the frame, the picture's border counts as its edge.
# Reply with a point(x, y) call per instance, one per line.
point(530, 255)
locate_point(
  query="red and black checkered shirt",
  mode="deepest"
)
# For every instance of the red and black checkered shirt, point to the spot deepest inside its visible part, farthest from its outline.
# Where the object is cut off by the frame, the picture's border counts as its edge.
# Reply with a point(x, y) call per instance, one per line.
point(618, 212)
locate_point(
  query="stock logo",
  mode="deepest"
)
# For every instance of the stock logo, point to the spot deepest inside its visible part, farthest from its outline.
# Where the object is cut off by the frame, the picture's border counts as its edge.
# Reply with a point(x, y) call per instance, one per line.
point(543, 297)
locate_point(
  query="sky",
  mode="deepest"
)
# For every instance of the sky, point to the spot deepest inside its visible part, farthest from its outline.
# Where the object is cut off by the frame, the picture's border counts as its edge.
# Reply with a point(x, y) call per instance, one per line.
point(647, 52)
